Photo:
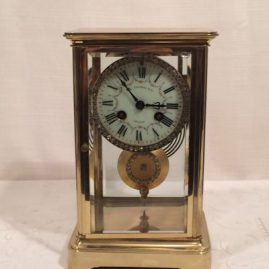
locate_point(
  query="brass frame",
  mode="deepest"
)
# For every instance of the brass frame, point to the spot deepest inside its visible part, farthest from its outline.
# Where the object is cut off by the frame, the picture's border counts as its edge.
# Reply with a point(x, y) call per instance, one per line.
point(188, 250)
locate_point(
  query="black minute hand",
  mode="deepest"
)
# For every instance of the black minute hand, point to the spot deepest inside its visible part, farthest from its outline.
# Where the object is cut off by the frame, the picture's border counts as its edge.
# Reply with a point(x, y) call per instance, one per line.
point(128, 89)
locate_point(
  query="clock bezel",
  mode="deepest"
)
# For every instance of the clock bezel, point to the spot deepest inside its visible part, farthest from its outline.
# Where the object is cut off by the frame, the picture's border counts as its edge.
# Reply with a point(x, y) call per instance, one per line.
point(185, 91)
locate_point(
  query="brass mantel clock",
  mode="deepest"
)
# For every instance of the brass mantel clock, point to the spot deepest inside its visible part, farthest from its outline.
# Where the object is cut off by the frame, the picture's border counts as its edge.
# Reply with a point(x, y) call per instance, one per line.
point(140, 102)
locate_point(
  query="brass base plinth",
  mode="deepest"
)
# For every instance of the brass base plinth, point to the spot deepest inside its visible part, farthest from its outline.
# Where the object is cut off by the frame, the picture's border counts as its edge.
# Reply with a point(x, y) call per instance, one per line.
point(184, 254)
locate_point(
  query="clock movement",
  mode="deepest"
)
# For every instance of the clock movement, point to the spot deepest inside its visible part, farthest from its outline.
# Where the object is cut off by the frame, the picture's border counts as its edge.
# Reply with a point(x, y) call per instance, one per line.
point(139, 102)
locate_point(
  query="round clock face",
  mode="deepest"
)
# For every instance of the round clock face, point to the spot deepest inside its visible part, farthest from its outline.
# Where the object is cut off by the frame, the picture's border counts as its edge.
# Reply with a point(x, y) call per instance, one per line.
point(140, 103)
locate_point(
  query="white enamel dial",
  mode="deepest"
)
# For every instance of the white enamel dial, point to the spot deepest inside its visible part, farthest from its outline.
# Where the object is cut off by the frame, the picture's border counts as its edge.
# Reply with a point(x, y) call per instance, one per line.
point(140, 103)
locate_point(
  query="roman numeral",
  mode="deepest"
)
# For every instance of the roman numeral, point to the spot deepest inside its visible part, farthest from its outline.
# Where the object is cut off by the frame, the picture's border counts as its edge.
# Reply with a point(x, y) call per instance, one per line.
point(138, 135)
point(172, 106)
point(155, 132)
point(169, 89)
point(107, 103)
point(124, 75)
point(166, 121)
point(122, 131)
point(112, 87)
point(142, 72)
point(111, 118)
point(156, 79)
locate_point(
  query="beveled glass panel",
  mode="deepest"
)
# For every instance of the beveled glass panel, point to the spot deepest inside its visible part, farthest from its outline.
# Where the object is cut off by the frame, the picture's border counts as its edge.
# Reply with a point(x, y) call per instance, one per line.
point(120, 209)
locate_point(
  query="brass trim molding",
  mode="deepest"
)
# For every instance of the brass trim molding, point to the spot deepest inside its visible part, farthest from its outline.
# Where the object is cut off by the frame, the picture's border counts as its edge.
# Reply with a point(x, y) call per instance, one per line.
point(144, 37)
point(190, 253)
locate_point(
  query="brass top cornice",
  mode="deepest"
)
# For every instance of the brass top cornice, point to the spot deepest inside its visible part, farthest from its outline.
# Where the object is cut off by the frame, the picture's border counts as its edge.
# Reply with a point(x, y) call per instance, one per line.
point(140, 36)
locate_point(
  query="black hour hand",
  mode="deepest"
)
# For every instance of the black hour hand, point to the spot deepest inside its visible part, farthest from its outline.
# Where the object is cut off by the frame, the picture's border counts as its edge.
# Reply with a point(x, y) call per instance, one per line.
point(157, 105)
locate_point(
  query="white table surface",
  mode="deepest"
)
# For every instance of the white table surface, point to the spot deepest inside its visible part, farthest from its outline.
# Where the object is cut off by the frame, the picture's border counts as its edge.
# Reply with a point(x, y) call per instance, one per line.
point(38, 216)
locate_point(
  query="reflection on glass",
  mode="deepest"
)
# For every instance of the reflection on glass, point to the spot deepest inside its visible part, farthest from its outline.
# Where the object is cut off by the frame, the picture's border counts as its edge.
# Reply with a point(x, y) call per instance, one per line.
point(144, 226)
